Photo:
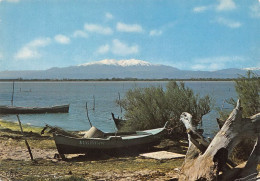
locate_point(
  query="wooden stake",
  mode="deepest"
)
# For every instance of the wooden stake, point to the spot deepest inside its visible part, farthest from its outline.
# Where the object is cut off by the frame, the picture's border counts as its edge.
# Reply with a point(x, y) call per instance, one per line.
point(119, 103)
point(27, 145)
point(12, 101)
point(94, 103)
point(87, 114)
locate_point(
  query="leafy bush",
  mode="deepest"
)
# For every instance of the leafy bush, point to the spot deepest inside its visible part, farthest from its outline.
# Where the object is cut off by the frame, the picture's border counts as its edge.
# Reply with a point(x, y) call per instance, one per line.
point(182, 99)
point(247, 88)
point(151, 107)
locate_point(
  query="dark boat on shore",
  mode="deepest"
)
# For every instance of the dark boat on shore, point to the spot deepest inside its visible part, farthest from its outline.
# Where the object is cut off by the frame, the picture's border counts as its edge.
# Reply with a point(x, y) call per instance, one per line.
point(95, 140)
point(34, 110)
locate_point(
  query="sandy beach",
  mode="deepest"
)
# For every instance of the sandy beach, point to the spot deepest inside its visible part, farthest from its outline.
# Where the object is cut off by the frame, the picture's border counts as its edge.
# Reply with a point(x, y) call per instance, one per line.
point(15, 162)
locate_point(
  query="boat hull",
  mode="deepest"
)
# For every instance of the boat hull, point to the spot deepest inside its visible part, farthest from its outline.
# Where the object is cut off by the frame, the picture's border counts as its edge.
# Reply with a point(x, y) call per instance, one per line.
point(70, 145)
point(34, 110)
point(64, 149)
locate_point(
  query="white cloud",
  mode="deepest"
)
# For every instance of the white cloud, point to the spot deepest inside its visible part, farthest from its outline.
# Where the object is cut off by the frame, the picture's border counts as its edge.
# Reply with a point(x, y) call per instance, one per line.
point(229, 23)
point(155, 33)
point(130, 28)
point(255, 10)
point(198, 67)
point(226, 5)
point(30, 50)
point(1, 56)
point(109, 16)
point(27, 53)
point(80, 34)
point(40, 42)
point(103, 49)
point(11, 1)
point(120, 48)
point(219, 59)
point(209, 67)
point(62, 39)
point(98, 29)
point(200, 9)
point(216, 63)
point(223, 5)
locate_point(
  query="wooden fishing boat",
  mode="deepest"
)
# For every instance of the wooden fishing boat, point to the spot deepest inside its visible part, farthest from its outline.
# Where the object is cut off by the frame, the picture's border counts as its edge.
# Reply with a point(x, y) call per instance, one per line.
point(34, 110)
point(107, 141)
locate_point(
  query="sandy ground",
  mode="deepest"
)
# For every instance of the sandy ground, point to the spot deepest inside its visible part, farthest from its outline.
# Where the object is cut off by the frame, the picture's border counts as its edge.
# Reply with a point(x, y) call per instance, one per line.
point(8, 152)
point(11, 152)
point(21, 153)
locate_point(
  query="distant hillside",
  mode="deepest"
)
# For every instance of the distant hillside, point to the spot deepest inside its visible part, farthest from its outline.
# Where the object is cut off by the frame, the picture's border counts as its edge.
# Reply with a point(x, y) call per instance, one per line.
point(121, 69)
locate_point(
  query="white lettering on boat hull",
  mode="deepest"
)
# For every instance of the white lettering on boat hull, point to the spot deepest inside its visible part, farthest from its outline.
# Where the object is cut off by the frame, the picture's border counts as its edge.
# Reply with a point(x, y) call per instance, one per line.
point(84, 142)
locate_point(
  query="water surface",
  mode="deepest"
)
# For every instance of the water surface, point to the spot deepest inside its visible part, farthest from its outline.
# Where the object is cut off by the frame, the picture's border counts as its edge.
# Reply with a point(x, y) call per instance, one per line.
point(104, 93)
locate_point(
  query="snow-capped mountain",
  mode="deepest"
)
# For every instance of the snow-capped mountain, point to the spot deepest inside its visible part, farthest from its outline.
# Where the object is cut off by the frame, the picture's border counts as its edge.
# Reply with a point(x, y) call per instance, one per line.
point(132, 68)
point(123, 63)
point(252, 68)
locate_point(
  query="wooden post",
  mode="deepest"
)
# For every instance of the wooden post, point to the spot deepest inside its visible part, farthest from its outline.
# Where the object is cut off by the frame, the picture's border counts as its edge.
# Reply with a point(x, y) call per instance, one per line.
point(12, 101)
point(120, 102)
point(94, 102)
point(27, 145)
point(87, 114)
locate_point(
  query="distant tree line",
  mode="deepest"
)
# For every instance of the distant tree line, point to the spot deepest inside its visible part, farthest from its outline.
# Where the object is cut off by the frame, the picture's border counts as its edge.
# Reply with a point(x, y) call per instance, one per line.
point(124, 79)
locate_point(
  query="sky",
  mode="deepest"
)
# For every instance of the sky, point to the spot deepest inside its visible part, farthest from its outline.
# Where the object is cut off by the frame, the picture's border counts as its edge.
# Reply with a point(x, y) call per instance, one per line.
point(189, 35)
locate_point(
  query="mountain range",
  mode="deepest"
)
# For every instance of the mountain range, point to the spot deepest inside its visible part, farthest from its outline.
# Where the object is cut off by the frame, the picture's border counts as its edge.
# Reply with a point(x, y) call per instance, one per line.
point(132, 68)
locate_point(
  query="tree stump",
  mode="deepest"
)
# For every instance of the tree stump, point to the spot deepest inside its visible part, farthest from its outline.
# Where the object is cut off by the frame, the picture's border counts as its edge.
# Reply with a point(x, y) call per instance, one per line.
point(209, 161)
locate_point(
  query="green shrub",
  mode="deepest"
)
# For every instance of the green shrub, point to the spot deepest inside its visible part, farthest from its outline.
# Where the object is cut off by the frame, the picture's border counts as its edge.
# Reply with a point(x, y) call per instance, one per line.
point(182, 99)
point(247, 89)
point(147, 108)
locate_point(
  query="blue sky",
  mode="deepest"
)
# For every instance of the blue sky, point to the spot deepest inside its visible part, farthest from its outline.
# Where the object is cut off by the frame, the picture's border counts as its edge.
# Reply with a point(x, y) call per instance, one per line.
point(189, 35)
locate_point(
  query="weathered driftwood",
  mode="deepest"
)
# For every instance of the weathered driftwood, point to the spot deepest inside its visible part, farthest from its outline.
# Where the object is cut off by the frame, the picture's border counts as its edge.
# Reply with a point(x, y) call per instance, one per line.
point(220, 123)
point(54, 129)
point(209, 161)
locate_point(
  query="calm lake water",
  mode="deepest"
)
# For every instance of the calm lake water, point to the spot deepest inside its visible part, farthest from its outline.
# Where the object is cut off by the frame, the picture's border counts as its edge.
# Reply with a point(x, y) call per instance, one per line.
point(105, 94)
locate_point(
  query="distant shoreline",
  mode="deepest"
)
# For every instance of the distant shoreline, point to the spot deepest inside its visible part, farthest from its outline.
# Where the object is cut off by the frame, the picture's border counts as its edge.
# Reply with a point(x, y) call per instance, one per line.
point(114, 79)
